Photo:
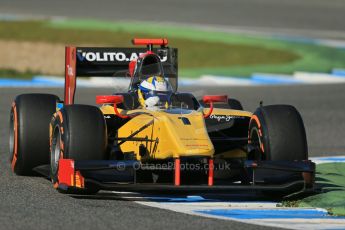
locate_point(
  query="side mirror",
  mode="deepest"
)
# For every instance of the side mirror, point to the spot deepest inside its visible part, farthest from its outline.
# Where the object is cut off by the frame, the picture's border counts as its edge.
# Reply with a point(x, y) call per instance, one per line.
point(210, 99)
point(109, 99)
point(112, 99)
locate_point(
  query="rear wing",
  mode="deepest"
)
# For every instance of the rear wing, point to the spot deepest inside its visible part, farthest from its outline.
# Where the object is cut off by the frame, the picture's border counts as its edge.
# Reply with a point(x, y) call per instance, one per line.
point(109, 62)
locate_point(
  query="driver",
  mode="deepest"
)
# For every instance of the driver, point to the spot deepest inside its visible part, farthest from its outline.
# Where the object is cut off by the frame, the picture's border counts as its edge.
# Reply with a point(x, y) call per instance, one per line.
point(154, 92)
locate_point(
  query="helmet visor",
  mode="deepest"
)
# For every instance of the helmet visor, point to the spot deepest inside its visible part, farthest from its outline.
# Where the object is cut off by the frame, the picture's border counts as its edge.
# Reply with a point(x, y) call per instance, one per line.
point(164, 96)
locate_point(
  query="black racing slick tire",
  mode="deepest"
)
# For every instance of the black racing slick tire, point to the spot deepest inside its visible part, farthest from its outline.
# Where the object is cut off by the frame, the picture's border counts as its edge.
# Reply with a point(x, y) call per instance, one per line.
point(232, 104)
point(29, 131)
point(276, 132)
point(78, 132)
point(235, 104)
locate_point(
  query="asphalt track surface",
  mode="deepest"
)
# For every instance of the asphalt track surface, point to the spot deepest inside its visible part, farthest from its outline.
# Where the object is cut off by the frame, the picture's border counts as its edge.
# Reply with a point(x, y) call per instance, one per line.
point(320, 18)
point(32, 203)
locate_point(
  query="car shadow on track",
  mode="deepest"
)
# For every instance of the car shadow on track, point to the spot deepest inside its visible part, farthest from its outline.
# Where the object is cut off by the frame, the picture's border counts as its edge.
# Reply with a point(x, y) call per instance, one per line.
point(177, 197)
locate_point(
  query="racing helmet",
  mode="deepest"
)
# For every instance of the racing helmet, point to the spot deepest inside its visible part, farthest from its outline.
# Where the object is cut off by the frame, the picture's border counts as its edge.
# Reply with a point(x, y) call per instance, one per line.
point(154, 91)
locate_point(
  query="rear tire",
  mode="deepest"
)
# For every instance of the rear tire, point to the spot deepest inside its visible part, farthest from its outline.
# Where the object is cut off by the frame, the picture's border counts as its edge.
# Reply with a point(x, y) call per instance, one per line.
point(29, 131)
point(277, 133)
point(78, 133)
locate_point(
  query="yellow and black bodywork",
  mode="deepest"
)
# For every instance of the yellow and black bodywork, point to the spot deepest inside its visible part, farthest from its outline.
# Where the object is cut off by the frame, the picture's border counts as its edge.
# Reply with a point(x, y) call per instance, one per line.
point(171, 133)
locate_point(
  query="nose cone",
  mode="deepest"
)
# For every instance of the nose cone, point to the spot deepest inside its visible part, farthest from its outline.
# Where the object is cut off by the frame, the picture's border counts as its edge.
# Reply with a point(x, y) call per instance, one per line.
point(184, 135)
point(165, 135)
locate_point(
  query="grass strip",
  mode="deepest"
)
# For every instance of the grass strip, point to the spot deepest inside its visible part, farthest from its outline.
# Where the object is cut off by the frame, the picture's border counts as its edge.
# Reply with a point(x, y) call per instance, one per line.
point(309, 56)
point(330, 177)
point(200, 51)
point(193, 55)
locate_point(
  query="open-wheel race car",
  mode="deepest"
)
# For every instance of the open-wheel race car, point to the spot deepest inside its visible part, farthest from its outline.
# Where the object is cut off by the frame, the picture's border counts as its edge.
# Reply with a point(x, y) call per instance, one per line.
point(153, 137)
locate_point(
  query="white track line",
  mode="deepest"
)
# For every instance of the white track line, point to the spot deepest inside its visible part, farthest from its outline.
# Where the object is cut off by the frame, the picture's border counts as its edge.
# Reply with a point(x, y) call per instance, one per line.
point(196, 205)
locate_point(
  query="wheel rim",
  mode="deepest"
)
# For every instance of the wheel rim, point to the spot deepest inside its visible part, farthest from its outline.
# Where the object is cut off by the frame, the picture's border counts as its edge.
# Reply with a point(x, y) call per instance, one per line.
point(256, 142)
point(55, 150)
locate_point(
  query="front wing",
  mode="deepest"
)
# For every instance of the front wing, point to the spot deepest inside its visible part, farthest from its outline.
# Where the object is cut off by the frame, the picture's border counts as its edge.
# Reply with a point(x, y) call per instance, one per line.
point(284, 177)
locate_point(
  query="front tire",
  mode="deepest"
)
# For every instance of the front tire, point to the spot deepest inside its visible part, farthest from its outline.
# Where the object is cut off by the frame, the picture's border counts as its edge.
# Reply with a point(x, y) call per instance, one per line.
point(276, 132)
point(78, 133)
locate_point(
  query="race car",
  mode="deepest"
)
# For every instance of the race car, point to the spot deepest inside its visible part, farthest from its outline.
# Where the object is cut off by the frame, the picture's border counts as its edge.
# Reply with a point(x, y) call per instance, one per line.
point(153, 137)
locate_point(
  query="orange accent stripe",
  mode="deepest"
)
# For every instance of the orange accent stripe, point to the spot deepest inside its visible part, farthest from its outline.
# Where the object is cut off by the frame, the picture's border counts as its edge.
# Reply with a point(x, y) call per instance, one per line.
point(50, 135)
point(260, 133)
point(254, 117)
point(61, 129)
point(56, 185)
point(15, 149)
point(60, 115)
point(14, 161)
point(72, 180)
point(79, 180)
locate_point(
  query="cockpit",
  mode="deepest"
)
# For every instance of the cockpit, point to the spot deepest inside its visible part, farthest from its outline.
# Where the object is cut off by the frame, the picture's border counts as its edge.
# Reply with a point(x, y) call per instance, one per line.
point(149, 66)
